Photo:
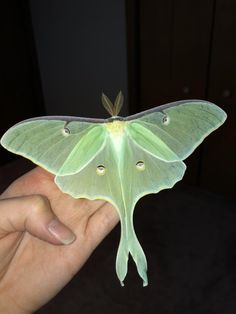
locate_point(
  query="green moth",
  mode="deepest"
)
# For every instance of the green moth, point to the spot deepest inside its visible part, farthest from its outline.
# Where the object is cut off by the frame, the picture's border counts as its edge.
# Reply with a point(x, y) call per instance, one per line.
point(119, 159)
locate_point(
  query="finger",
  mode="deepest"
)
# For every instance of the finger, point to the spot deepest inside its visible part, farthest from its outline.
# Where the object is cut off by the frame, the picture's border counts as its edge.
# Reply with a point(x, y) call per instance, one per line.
point(33, 214)
point(101, 223)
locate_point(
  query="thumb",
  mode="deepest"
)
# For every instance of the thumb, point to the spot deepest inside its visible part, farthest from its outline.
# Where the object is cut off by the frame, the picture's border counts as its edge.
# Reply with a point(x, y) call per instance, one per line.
point(33, 214)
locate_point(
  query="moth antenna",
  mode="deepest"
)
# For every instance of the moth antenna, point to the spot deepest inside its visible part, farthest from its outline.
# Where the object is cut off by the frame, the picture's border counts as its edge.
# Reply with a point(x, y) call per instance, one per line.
point(118, 103)
point(107, 104)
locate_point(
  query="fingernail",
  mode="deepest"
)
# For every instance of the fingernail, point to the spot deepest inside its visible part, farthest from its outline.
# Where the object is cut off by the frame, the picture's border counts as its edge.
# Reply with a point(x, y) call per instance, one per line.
point(61, 232)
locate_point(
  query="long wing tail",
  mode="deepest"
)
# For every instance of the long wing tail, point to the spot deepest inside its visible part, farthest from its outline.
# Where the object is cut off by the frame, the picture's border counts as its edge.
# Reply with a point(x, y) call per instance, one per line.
point(129, 244)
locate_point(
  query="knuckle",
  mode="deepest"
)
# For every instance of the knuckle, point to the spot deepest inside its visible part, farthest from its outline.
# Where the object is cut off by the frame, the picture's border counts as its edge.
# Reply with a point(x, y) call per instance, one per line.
point(39, 204)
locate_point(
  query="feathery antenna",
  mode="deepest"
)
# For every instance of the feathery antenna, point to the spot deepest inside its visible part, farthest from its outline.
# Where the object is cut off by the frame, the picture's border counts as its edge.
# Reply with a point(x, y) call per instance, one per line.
point(115, 108)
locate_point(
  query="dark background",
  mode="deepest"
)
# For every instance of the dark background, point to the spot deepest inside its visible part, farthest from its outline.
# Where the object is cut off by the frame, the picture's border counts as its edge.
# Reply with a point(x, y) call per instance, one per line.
point(58, 56)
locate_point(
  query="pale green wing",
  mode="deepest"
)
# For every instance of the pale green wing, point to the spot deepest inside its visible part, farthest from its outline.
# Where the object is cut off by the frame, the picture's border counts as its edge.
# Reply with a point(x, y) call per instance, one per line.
point(172, 132)
point(122, 173)
point(58, 146)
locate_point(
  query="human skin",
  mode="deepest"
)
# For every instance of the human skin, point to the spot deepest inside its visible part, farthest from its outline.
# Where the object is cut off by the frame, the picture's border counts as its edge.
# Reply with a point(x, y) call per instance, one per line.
point(34, 263)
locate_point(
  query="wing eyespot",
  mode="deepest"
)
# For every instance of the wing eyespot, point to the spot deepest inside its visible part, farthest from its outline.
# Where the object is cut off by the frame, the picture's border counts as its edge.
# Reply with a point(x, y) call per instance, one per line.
point(140, 165)
point(101, 170)
point(66, 131)
point(166, 120)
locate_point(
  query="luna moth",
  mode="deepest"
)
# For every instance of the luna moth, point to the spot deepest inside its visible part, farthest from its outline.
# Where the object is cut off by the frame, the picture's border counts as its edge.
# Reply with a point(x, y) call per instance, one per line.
point(119, 159)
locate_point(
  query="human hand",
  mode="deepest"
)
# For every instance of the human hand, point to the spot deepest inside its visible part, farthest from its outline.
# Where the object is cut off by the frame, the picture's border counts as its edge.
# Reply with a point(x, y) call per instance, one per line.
point(34, 263)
